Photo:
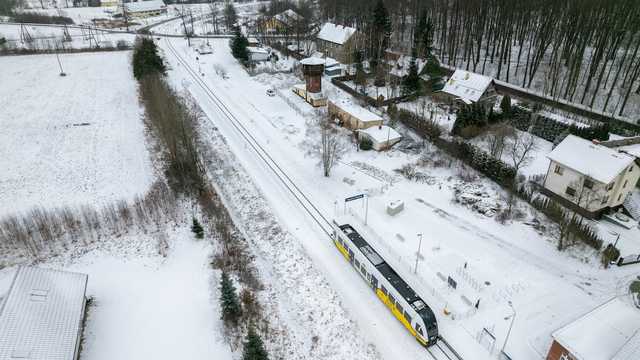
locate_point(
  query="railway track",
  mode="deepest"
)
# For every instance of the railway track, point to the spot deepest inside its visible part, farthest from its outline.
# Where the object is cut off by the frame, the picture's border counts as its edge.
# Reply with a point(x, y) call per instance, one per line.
point(263, 154)
point(442, 350)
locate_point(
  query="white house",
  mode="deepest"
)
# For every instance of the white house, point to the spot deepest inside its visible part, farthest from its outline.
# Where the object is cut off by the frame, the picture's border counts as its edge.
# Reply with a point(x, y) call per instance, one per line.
point(142, 9)
point(382, 137)
point(337, 42)
point(465, 87)
point(590, 177)
point(42, 315)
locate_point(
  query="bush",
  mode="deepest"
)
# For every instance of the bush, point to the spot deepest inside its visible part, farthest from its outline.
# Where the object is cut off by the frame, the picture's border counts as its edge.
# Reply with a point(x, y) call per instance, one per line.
point(470, 115)
point(366, 144)
point(146, 59)
point(505, 105)
point(197, 229)
point(610, 253)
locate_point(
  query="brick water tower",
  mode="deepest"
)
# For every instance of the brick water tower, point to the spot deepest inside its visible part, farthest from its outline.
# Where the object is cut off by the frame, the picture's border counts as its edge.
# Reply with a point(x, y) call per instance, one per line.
point(312, 68)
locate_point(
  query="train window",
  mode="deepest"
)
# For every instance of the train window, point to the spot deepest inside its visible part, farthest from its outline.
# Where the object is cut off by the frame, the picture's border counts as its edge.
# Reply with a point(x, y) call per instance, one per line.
point(408, 317)
point(374, 282)
point(357, 263)
point(392, 299)
point(399, 307)
point(384, 290)
point(419, 329)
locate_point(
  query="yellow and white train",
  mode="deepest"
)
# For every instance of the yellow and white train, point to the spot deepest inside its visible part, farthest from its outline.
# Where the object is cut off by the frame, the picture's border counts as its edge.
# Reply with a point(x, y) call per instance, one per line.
point(416, 316)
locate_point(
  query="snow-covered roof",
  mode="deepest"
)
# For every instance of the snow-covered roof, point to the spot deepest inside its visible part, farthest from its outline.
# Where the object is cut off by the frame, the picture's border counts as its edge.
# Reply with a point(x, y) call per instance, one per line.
point(595, 161)
point(381, 134)
point(358, 112)
point(337, 34)
point(256, 50)
point(630, 350)
point(41, 315)
point(331, 62)
point(144, 6)
point(289, 16)
point(602, 333)
point(631, 150)
point(467, 85)
point(312, 61)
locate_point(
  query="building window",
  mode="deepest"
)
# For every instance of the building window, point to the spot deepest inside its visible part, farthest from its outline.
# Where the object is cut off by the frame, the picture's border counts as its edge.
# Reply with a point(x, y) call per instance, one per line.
point(558, 170)
point(570, 191)
point(619, 197)
point(588, 184)
point(564, 357)
point(610, 186)
point(605, 200)
point(625, 184)
point(631, 168)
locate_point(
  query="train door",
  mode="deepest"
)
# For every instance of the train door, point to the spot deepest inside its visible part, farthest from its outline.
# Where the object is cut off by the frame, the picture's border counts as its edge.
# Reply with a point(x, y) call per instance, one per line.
point(374, 282)
point(351, 257)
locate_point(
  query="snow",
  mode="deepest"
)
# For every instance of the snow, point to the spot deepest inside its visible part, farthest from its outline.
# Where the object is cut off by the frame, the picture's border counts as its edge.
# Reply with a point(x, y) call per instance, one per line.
point(357, 111)
point(519, 262)
point(596, 161)
point(631, 150)
point(601, 333)
point(70, 140)
point(144, 6)
point(380, 134)
point(337, 34)
point(146, 306)
point(467, 85)
point(312, 61)
point(41, 315)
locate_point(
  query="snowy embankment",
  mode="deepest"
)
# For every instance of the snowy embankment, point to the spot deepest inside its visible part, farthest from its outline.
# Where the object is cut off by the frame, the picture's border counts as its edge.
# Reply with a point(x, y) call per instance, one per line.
point(73, 140)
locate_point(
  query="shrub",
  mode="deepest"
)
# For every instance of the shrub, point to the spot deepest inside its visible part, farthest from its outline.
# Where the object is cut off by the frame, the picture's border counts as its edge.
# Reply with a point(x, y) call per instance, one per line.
point(610, 253)
point(505, 105)
point(197, 229)
point(366, 144)
point(470, 115)
point(229, 302)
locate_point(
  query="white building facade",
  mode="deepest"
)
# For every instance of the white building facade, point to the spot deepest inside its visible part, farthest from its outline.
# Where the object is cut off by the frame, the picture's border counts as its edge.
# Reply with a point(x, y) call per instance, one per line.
point(592, 177)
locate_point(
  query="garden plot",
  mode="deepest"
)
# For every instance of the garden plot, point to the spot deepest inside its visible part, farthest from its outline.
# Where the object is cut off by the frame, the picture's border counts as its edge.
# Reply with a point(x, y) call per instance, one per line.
point(73, 140)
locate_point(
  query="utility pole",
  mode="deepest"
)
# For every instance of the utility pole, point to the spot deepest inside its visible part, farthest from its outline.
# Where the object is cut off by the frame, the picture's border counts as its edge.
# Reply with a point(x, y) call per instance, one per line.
point(62, 73)
point(513, 318)
point(415, 270)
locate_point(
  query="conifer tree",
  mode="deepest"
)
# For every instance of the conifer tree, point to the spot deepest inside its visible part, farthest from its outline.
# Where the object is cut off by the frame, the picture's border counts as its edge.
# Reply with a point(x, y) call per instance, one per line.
point(505, 105)
point(381, 30)
point(197, 229)
point(253, 347)
point(411, 82)
point(229, 300)
point(239, 45)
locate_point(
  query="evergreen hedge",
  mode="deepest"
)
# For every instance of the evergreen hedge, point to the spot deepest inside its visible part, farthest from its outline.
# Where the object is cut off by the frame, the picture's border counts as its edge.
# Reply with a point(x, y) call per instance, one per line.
point(552, 130)
point(146, 59)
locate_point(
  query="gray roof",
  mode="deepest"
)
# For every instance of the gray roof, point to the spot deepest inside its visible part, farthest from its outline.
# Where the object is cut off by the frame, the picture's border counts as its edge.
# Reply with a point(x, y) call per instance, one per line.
point(42, 315)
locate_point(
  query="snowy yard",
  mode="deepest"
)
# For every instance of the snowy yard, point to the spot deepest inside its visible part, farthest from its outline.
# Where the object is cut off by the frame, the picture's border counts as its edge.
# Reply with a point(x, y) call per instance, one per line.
point(514, 262)
point(145, 306)
point(73, 140)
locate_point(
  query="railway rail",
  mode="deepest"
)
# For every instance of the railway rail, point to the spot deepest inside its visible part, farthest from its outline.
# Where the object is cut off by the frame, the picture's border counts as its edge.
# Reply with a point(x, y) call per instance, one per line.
point(442, 350)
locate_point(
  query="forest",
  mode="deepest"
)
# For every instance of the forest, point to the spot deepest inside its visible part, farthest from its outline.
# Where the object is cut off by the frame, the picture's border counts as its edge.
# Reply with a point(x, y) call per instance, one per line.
point(582, 51)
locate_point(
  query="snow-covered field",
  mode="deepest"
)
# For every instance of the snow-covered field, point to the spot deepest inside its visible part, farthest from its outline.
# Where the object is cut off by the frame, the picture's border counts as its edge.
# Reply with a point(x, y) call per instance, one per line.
point(512, 262)
point(70, 140)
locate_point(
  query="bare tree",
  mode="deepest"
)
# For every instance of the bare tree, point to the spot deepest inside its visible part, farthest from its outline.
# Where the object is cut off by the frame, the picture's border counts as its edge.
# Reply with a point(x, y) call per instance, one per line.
point(333, 146)
point(521, 152)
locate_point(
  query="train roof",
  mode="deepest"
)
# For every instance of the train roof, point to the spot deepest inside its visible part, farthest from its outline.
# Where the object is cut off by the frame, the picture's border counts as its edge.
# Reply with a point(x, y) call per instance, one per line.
point(385, 269)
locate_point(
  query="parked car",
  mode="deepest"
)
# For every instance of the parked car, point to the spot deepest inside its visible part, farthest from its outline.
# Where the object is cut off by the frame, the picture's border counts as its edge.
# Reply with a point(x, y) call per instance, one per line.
point(271, 92)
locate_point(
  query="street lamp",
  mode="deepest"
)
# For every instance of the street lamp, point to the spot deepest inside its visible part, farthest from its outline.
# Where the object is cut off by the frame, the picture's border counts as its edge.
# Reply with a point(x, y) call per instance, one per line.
point(617, 235)
point(513, 318)
point(415, 270)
